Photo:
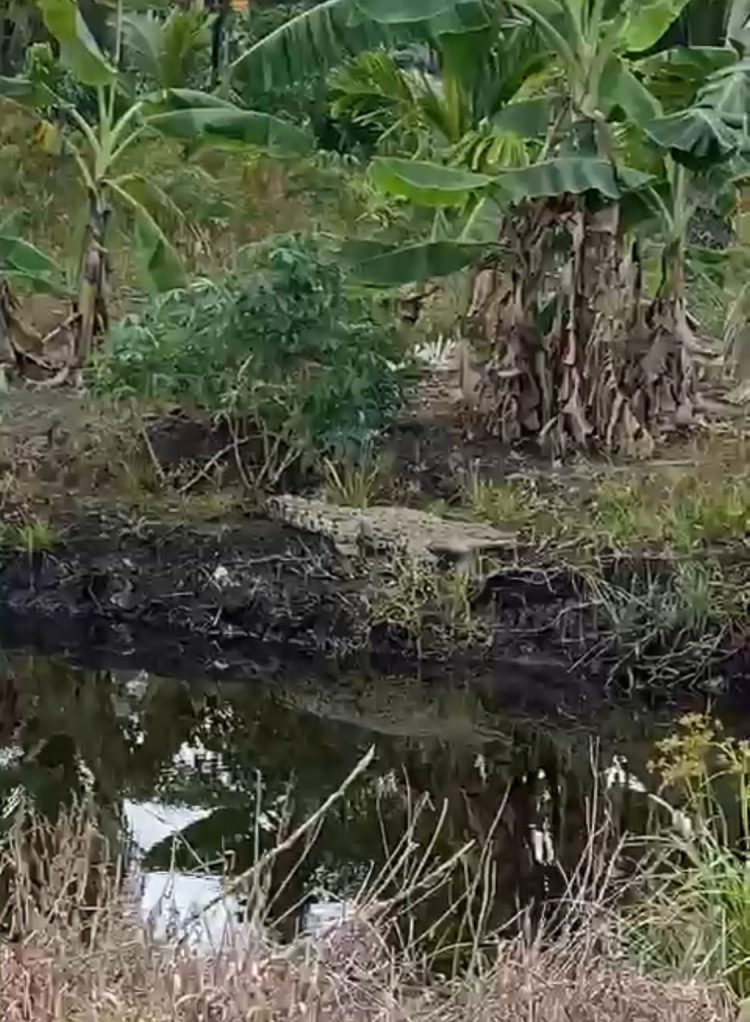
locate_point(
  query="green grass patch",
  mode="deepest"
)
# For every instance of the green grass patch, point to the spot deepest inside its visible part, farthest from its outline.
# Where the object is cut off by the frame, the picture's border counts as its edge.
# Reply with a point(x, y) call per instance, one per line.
point(620, 512)
point(32, 537)
point(694, 913)
point(660, 554)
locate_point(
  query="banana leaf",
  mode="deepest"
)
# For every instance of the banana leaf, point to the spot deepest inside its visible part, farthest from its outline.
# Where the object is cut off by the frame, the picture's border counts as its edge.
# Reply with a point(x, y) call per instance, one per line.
point(427, 184)
point(79, 51)
point(230, 126)
point(421, 261)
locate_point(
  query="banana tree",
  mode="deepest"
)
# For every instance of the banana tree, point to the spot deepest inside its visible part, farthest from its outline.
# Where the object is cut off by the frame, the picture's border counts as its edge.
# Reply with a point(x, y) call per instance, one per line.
point(574, 354)
point(464, 105)
point(99, 145)
point(23, 263)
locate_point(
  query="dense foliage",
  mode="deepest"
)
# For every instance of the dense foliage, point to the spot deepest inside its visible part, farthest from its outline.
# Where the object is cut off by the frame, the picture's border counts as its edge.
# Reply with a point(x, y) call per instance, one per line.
point(281, 341)
point(560, 148)
point(578, 139)
point(304, 100)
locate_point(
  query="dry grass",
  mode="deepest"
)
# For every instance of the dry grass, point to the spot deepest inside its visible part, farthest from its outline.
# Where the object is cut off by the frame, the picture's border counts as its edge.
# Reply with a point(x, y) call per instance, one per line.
point(560, 986)
point(81, 954)
point(56, 441)
point(55, 444)
point(349, 976)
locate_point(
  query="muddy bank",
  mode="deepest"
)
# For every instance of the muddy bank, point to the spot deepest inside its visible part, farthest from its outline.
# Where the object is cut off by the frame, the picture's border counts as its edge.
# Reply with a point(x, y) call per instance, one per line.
point(260, 598)
point(257, 596)
point(153, 562)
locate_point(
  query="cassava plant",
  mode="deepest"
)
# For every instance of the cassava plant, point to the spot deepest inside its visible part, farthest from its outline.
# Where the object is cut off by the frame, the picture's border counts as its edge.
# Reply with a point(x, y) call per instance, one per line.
point(282, 351)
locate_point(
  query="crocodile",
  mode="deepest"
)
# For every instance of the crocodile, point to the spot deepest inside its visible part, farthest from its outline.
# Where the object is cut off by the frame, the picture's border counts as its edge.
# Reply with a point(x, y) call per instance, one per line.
point(389, 530)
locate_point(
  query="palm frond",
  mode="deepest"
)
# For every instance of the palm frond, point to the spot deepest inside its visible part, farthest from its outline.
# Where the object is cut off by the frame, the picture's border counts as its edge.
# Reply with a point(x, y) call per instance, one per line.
point(165, 50)
point(371, 89)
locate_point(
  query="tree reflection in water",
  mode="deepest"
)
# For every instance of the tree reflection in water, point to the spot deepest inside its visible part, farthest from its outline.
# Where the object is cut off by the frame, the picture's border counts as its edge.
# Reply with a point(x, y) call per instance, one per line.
point(252, 761)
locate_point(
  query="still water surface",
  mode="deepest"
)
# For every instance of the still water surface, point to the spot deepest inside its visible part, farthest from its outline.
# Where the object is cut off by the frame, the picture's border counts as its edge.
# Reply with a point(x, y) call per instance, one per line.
point(197, 778)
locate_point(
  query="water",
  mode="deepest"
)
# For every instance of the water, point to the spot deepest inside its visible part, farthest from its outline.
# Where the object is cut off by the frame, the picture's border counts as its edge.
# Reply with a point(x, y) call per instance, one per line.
point(199, 778)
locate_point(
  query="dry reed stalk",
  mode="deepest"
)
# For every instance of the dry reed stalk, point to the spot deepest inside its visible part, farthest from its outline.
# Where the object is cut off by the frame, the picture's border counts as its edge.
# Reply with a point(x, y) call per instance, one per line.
point(82, 954)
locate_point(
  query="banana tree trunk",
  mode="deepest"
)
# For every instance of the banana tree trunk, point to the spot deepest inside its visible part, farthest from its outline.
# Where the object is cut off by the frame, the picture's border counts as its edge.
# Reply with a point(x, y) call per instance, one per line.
point(668, 365)
point(7, 350)
point(576, 358)
point(223, 10)
point(93, 295)
point(516, 397)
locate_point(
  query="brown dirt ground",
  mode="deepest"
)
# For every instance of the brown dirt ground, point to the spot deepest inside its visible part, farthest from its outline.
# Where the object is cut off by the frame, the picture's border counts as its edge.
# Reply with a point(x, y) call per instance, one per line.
point(56, 445)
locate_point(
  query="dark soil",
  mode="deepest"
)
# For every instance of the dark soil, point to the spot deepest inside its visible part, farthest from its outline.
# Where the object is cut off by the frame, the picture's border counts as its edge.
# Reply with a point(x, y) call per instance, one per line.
point(258, 597)
point(113, 579)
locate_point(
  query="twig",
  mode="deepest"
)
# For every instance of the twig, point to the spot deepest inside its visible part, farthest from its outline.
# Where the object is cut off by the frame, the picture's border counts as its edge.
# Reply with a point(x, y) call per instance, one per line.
point(66, 324)
point(150, 448)
point(205, 469)
point(428, 881)
point(273, 853)
point(235, 448)
point(270, 457)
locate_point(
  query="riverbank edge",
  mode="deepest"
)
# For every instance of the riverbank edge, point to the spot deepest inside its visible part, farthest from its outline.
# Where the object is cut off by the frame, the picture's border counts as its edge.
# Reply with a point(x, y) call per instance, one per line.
point(257, 598)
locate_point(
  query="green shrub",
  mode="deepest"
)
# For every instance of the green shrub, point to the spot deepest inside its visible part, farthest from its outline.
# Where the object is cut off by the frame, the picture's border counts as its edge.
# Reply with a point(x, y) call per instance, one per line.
point(281, 343)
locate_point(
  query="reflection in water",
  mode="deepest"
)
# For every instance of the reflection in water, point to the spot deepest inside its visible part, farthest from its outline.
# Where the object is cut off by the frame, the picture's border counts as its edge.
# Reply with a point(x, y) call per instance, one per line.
point(169, 898)
point(152, 822)
point(202, 778)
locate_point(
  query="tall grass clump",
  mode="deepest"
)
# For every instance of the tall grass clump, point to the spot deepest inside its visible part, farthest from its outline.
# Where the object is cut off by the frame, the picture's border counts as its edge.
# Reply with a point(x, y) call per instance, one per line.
point(114, 970)
point(694, 915)
point(695, 600)
point(506, 504)
point(357, 482)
